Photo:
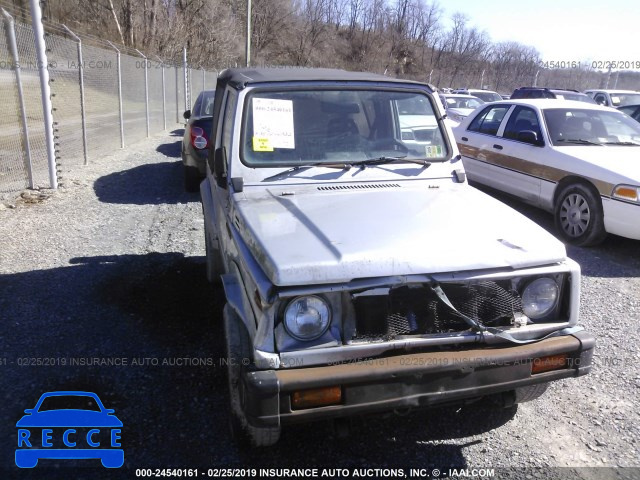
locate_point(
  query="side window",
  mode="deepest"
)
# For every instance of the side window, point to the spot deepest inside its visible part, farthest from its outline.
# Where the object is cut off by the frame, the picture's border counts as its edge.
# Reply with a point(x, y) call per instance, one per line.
point(488, 120)
point(522, 119)
point(196, 106)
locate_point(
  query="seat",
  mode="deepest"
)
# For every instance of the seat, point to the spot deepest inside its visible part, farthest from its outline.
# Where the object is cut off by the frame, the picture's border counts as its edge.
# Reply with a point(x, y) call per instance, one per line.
point(341, 126)
point(522, 125)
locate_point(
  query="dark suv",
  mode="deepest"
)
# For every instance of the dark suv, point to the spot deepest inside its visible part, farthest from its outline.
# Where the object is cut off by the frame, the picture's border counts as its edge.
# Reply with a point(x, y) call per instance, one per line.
point(560, 93)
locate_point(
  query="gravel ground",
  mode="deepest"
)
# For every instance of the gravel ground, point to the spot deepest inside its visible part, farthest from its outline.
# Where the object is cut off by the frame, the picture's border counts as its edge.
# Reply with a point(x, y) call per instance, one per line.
point(112, 267)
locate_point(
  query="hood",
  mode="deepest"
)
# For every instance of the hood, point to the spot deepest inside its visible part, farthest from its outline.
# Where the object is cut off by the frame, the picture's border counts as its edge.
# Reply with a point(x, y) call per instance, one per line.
point(460, 111)
point(333, 236)
point(414, 121)
point(69, 418)
point(615, 162)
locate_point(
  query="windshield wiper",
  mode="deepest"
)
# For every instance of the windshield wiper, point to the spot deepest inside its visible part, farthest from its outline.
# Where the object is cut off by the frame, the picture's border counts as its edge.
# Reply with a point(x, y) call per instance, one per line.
point(579, 141)
point(383, 160)
point(339, 166)
point(622, 143)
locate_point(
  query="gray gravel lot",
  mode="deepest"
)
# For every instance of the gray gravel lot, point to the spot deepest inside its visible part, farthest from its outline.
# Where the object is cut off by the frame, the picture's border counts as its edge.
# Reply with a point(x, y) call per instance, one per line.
point(112, 266)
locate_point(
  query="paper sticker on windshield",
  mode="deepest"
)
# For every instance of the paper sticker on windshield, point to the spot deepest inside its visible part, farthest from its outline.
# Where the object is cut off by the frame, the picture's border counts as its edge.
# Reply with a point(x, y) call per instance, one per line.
point(261, 144)
point(433, 151)
point(273, 120)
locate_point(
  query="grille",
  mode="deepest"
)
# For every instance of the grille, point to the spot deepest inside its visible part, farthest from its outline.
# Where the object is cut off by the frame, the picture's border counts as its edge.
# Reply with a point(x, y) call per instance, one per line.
point(360, 186)
point(418, 311)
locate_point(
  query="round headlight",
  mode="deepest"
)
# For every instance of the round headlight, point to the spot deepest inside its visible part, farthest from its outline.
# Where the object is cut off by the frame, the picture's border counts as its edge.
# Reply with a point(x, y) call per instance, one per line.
point(307, 318)
point(539, 297)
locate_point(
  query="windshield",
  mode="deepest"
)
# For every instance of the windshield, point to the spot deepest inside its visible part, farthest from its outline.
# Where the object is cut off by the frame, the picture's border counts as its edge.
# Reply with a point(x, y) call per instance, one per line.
point(568, 126)
point(66, 402)
point(620, 99)
point(462, 102)
point(486, 96)
point(307, 127)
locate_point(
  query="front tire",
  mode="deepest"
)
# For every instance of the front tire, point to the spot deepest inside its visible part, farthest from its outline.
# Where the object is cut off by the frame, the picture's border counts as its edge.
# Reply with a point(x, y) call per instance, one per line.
point(578, 215)
point(237, 345)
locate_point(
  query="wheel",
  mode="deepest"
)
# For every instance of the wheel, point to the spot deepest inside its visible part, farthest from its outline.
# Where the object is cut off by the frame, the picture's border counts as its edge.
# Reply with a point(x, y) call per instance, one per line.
point(192, 179)
point(531, 392)
point(578, 215)
point(214, 260)
point(237, 346)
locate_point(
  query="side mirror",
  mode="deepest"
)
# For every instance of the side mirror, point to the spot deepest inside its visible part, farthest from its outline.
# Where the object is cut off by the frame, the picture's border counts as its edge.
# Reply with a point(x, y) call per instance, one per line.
point(187, 114)
point(109, 411)
point(29, 411)
point(529, 136)
point(220, 166)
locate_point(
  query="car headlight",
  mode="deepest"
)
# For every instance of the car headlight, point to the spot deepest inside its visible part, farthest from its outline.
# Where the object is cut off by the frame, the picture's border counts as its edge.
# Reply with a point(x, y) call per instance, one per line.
point(307, 318)
point(627, 192)
point(540, 297)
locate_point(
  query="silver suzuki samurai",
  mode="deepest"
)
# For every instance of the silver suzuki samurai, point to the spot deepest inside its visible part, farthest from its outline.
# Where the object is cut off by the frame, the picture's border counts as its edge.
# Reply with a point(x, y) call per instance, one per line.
point(361, 271)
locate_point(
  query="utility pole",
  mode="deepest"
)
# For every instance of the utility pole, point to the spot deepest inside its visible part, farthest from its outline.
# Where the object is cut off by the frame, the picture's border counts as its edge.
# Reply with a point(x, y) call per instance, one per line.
point(248, 44)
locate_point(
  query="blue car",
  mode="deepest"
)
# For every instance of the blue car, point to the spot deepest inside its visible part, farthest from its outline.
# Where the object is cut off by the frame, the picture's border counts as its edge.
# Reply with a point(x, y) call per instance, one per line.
point(69, 425)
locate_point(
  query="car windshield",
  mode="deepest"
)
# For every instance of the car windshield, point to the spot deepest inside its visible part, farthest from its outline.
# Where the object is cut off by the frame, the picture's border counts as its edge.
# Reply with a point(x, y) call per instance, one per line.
point(569, 126)
point(328, 126)
point(620, 99)
point(463, 102)
point(486, 96)
point(67, 402)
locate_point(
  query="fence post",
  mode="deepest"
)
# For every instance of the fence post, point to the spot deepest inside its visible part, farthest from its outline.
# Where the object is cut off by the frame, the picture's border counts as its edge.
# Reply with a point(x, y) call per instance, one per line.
point(177, 96)
point(146, 89)
point(186, 79)
point(45, 90)
point(82, 110)
point(164, 102)
point(13, 48)
point(119, 94)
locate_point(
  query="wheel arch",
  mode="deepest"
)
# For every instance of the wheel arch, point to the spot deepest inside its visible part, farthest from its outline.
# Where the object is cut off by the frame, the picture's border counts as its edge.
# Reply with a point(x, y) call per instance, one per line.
point(572, 179)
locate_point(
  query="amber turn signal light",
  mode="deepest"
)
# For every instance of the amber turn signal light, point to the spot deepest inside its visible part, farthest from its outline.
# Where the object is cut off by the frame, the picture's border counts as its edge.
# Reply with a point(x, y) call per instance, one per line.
point(551, 362)
point(316, 397)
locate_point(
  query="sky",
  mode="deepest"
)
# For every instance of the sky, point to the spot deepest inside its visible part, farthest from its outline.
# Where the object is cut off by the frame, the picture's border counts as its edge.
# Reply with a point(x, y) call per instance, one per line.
point(560, 30)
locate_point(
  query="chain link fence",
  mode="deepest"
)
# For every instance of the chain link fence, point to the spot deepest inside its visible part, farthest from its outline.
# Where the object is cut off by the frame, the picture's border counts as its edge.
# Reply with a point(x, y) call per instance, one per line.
point(103, 97)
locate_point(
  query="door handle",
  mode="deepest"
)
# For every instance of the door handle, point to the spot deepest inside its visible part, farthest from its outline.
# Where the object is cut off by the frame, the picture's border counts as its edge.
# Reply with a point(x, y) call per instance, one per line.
point(465, 139)
point(497, 147)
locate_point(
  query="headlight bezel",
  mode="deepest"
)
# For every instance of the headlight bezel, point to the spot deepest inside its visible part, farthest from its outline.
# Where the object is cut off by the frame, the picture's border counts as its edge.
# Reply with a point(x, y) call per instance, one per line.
point(553, 307)
point(295, 335)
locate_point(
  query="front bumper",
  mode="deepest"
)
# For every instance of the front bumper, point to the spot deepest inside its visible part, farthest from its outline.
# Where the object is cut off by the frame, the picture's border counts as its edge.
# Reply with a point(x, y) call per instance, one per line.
point(621, 218)
point(413, 380)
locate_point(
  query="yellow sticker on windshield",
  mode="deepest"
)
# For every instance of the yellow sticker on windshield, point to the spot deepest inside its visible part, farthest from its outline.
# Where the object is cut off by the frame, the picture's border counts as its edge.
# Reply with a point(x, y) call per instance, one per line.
point(433, 151)
point(262, 144)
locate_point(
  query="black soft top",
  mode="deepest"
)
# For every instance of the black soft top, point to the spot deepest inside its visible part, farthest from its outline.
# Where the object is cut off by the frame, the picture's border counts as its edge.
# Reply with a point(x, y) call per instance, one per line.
point(241, 77)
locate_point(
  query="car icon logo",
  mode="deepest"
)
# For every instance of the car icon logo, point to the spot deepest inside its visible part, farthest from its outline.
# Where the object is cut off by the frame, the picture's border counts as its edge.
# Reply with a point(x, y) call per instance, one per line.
point(69, 425)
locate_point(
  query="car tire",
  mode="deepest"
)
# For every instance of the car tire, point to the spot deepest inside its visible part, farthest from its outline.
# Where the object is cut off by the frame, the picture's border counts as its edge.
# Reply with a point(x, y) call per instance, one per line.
point(578, 215)
point(192, 179)
point(214, 259)
point(237, 349)
point(530, 392)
